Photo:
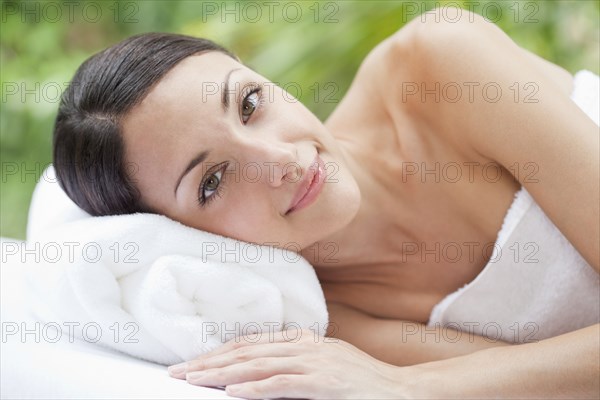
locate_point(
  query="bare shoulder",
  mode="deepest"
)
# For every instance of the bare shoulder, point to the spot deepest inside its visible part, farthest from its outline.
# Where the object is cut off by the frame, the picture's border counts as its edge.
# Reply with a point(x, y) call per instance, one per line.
point(407, 77)
point(453, 67)
point(422, 50)
point(519, 112)
point(439, 47)
point(413, 53)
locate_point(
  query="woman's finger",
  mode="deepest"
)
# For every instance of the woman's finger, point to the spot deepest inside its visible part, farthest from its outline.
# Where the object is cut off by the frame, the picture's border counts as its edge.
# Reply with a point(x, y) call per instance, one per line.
point(290, 336)
point(253, 370)
point(237, 356)
point(278, 386)
point(244, 354)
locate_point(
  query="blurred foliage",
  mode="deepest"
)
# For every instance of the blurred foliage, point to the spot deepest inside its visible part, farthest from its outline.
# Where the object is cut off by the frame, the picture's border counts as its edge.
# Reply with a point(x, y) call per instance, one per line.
point(304, 46)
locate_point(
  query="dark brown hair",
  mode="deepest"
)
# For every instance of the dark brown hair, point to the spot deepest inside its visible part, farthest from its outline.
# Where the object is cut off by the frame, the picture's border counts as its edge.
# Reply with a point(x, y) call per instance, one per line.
point(88, 148)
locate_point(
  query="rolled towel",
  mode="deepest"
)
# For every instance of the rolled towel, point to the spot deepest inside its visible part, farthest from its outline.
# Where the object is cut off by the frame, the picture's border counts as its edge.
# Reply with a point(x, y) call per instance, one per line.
point(156, 289)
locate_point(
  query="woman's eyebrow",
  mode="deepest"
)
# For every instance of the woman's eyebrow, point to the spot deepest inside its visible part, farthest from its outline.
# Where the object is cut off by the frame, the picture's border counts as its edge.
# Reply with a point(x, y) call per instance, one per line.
point(193, 162)
point(225, 86)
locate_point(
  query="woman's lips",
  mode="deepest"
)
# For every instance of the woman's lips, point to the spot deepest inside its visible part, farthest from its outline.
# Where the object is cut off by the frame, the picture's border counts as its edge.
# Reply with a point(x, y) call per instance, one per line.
point(310, 186)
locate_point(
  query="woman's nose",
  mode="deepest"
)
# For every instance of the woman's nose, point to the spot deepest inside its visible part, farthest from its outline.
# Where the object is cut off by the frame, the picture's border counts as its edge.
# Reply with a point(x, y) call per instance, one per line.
point(277, 161)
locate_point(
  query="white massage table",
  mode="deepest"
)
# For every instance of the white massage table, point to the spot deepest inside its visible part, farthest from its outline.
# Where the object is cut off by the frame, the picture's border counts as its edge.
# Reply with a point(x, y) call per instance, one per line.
point(38, 368)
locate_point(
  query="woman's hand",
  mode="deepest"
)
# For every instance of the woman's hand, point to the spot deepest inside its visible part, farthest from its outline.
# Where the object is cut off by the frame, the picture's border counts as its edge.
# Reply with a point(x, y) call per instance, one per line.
point(294, 364)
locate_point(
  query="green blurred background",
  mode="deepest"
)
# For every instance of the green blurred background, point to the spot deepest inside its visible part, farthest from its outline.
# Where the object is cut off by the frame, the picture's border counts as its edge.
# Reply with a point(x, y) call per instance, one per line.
point(311, 48)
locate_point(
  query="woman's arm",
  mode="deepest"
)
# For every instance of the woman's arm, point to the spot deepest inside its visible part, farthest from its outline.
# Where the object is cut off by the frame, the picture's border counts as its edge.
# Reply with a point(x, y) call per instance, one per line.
point(401, 343)
point(564, 366)
point(301, 365)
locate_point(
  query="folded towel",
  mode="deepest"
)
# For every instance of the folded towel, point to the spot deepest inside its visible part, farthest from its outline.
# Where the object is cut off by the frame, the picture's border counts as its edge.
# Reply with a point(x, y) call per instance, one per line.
point(155, 289)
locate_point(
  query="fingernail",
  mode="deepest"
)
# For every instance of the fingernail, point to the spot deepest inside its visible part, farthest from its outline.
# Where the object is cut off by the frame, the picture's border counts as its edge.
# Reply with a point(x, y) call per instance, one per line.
point(231, 389)
point(177, 369)
point(194, 376)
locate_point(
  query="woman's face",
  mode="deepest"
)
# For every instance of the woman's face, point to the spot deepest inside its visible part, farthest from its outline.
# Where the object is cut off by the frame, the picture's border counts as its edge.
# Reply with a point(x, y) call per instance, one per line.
point(259, 151)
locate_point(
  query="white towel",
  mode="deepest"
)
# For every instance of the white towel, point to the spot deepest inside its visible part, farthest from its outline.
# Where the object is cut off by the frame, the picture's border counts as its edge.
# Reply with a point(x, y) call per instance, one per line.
point(536, 285)
point(155, 289)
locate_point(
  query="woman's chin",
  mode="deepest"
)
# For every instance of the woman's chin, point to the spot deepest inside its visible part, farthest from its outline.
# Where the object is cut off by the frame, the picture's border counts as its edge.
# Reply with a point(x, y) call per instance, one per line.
point(346, 206)
point(336, 209)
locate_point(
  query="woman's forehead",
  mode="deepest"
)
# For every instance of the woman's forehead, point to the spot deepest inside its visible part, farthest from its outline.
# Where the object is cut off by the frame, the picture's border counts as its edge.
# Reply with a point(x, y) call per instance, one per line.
point(191, 90)
point(196, 76)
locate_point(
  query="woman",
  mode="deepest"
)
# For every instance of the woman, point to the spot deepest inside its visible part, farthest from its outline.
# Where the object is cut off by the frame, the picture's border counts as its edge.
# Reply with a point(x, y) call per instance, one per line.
point(171, 135)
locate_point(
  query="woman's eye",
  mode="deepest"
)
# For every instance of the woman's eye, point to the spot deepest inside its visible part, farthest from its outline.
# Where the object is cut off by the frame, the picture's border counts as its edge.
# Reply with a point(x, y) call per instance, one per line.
point(210, 188)
point(212, 183)
point(249, 105)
